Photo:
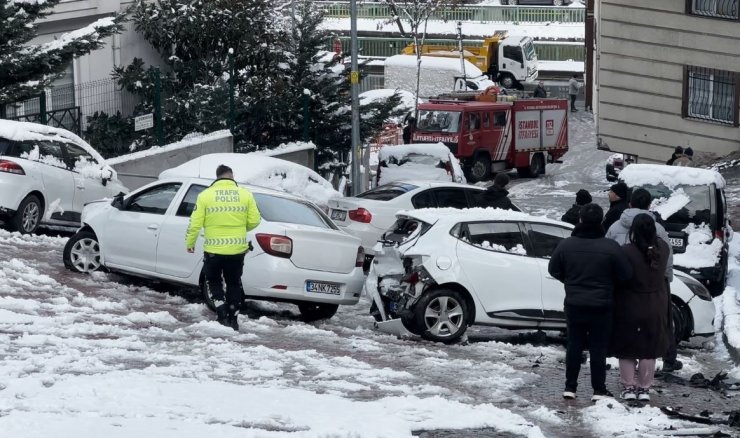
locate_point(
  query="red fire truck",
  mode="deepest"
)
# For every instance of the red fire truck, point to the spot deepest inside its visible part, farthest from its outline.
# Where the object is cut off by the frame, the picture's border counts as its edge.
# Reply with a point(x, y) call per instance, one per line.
point(490, 136)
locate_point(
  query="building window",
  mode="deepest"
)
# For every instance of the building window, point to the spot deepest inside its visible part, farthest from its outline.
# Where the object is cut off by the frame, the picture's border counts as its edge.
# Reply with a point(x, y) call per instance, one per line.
point(715, 8)
point(711, 95)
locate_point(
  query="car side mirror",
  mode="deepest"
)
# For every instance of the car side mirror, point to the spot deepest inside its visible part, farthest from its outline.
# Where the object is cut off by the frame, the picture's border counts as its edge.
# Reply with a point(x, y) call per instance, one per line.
point(118, 201)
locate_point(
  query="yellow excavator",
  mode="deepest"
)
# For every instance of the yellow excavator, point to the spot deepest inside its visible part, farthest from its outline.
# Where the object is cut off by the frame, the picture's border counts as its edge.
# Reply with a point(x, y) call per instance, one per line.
point(508, 59)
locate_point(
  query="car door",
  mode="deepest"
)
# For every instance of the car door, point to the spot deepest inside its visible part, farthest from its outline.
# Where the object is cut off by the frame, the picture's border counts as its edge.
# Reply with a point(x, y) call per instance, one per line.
point(88, 181)
point(133, 231)
point(172, 258)
point(58, 181)
point(506, 280)
point(545, 238)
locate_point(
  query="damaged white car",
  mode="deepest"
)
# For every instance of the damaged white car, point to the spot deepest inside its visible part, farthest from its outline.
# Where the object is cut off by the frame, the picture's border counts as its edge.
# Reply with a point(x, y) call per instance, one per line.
point(437, 271)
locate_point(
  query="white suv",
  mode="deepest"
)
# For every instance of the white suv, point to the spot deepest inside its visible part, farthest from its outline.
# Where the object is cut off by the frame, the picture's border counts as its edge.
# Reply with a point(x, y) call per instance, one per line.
point(47, 175)
point(440, 270)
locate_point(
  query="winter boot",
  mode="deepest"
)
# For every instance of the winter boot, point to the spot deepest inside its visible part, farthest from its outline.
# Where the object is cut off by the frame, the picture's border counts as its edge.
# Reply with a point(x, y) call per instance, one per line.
point(222, 314)
point(231, 319)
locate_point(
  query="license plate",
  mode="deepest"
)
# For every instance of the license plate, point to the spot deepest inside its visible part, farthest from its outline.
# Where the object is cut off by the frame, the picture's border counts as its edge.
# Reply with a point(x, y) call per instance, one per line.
point(323, 288)
point(338, 215)
point(676, 242)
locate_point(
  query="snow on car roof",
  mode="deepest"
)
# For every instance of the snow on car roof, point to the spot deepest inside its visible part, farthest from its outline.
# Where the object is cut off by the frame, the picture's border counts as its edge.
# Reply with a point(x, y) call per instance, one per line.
point(434, 63)
point(408, 101)
point(260, 170)
point(431, 215)
point(437, 150)
point(26, 131)
point(636, 175)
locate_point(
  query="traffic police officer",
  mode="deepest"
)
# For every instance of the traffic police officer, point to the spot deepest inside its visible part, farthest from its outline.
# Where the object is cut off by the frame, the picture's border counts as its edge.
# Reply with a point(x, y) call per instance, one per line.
point(227, 212)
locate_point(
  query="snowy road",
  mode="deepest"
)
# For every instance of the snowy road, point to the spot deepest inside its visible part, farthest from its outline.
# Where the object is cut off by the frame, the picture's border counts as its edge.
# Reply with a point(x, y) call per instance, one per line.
point(108, 356)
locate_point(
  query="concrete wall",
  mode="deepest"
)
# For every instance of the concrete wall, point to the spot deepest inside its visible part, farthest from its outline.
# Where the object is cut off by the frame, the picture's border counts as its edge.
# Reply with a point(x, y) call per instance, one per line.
point(141, 168)
point(643, 48)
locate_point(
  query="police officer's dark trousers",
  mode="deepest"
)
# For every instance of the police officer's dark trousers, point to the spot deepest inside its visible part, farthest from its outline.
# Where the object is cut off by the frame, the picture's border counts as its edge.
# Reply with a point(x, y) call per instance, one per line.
point(229, 268)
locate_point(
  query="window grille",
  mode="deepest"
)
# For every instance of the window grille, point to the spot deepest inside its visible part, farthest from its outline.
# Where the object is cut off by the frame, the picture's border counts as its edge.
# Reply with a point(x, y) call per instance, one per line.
point(715, 8)
point(711, 95)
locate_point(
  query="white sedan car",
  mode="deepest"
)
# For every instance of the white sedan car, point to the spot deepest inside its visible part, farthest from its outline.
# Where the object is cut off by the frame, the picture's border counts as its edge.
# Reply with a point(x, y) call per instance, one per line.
point(370, 214)
point(442, 270)
point(47, 175)
point(143, 234)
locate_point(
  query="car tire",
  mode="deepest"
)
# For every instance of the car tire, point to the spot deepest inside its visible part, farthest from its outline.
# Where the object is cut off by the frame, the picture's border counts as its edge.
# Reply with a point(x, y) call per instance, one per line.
point(82, 253)
point(314, 311)
point(441, 315)
point(479, 168)
point(28, 216)
point(536, 167)
point(680, 321)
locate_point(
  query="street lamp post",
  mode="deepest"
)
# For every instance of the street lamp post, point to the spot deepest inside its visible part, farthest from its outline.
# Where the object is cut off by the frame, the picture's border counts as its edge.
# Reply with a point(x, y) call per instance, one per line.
point(355, 89)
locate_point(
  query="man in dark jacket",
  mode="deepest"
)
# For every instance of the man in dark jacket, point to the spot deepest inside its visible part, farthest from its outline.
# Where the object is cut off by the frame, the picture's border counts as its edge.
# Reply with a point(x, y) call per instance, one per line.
point(588, 265)
point(618, 202)
point(540, 92)
point(497, 196)
point(676, 153)
point(571, 216)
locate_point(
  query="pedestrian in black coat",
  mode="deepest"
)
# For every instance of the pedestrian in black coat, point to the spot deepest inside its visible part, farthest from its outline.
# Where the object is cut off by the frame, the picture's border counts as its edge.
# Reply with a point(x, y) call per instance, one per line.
point(676, 153)
point(588, 265)
point(583, 197)
point(496, 196)
point(618, 202)
point(540, 91)
point(641, 310)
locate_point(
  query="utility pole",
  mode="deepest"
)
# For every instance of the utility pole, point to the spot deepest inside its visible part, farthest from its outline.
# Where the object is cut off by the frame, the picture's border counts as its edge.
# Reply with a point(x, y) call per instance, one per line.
point(589, 66)
point(462, 55)
point(355, 87)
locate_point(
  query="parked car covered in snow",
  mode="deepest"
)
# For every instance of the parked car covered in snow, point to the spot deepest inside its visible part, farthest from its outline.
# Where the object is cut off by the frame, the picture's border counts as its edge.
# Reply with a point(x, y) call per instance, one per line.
point(441, 270)
point(419, 161)
point(260, 170)
point(692, 205)
point(143, 234)
point(47, 175)
point(370, 214)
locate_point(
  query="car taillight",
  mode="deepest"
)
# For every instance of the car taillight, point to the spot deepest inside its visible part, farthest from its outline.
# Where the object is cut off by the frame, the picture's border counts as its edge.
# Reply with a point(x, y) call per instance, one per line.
point(360, 215)
point(11, 167)
point(278, 246)
point(360, 260)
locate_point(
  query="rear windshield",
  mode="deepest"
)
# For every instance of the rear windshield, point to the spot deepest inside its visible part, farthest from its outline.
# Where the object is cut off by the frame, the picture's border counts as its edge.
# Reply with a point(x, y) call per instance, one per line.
point(696, 211)
point(428, 160)
point(15, 149)
point(279, 209)
point(404, 228)
point(387, 192)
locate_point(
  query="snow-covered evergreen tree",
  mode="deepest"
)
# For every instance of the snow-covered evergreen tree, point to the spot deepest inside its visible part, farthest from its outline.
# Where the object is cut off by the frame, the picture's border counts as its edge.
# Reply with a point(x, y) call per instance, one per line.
point(26, 69)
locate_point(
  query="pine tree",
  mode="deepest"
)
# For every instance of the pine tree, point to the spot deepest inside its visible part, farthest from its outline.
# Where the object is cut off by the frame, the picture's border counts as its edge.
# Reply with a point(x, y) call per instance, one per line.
point(27, 69)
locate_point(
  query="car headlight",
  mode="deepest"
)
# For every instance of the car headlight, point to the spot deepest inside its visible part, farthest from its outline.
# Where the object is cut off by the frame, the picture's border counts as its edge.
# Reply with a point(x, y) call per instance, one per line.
point(697, 288)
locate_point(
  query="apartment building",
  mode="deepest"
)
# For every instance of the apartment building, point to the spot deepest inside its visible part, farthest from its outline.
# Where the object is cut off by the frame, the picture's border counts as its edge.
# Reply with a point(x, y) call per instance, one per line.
point(667, 73)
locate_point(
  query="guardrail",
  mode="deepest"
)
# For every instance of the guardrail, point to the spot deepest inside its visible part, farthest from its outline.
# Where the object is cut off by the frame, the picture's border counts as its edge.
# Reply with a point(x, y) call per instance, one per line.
point(378, 47)
point(491, 13)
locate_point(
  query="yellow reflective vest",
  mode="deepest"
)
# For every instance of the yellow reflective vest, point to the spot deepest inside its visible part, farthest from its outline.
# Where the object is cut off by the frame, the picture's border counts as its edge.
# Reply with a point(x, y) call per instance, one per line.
point(227, 212)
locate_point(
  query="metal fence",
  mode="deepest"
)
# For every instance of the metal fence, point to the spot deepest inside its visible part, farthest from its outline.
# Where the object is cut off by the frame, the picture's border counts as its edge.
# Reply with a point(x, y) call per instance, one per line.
point(480, 13)
point(378, 47)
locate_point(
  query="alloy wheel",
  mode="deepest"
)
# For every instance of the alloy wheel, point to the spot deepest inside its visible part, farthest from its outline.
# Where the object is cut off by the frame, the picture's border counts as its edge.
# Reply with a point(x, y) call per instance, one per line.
point(30, 218)
point(85, 255)
point(443, 316)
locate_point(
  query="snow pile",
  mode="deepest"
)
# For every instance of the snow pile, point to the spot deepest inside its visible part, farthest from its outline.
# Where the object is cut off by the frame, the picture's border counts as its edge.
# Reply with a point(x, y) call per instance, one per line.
point(188, 140)
point(730, 300)
point(437, 74)
point(89, 31)
point(450, 215)
point(399, 152)
point(518, 249)
point(702, 251)
point(613, 419)
point(260, 170)
point(636, 175)
point(667, 207)
point(408, 101)
point(421, 164)
point(287, 148)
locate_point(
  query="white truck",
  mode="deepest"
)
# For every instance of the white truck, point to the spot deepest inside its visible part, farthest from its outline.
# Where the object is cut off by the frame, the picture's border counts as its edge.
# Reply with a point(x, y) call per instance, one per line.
point(438, 75)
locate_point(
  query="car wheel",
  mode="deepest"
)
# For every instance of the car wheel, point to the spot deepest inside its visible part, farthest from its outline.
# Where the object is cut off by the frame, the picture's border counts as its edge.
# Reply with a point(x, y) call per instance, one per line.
point(313, 311)
point(479, 169)
point(535, 168)
point(82, 253)
point(28, 216)
point(441, 315)
point(680, 322)
point(506, 80)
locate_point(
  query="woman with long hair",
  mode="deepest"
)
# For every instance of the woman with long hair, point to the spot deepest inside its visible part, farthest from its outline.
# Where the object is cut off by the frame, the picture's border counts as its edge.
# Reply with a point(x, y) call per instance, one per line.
point(641, 309)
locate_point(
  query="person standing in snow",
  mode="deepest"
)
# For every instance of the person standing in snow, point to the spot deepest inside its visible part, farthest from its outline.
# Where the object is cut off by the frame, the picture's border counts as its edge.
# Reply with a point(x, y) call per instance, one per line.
point(571, 216)
point(496, 196)
point(676, 153)
point(619, 231)
point(641, 307)
point(540, 92)
point(408, 128)
point(573, 88)
point(588, 265)
point(226, 212)
point(617, 203)
point(685, 159)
